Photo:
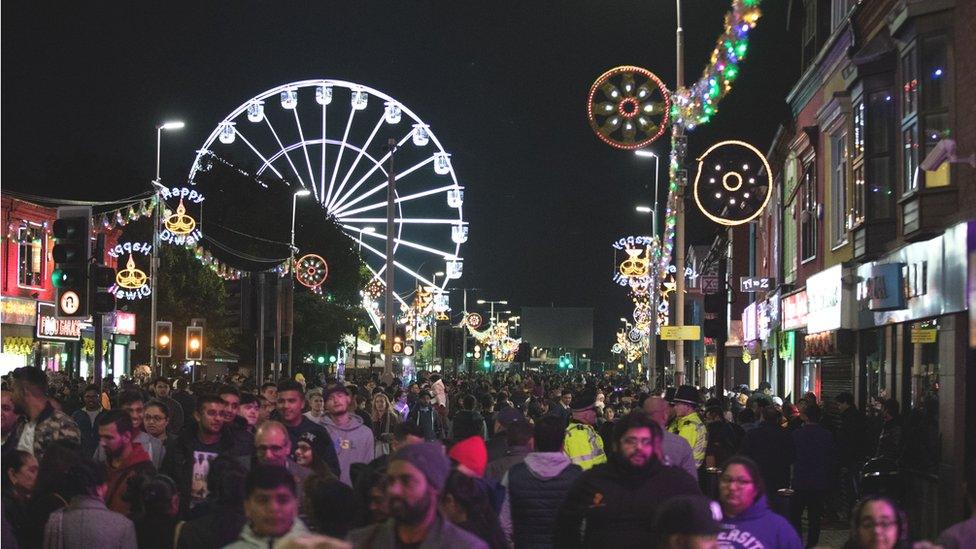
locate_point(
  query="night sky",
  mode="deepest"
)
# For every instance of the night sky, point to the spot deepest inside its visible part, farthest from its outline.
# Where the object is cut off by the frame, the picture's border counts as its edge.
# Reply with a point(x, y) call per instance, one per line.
point(503, 84)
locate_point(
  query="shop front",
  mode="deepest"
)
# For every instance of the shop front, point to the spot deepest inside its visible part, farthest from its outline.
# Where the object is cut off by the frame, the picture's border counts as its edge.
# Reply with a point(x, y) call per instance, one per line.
point(57, 340)
point(828, 347)
point(17, 341)
point(767, 321)
point(751, 352)
point(793, 324)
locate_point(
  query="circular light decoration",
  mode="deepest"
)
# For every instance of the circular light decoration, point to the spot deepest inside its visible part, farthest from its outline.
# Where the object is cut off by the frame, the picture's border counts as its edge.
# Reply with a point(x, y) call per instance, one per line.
point(733, 183)
point(635, 335)
point(628, 107)
point(311, 270)
point(474, 320)
point(616, 348)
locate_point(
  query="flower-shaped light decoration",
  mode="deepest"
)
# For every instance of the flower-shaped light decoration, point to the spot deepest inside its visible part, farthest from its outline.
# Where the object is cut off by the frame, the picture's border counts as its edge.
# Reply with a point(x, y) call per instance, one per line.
point(311, 270)
point(628, 107)
point(733, 183)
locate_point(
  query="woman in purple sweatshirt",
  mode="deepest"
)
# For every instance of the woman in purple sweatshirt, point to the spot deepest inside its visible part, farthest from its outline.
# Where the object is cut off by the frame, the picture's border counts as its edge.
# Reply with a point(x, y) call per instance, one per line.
point(748, 521)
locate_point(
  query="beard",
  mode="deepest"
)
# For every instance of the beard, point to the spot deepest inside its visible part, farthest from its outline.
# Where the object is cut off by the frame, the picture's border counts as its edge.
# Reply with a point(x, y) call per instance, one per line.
point(624, 463)
point(410, 513)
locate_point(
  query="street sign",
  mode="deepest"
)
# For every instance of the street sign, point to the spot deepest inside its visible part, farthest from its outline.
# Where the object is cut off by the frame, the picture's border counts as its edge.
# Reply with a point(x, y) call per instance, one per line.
point(674, 333)
point(709, 283)
point(70, 303)
point(924, 335)
point(751, 284)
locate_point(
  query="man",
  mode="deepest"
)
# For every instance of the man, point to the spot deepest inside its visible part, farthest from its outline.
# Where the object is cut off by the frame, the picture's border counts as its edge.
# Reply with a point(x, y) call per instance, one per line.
point(353, 441)
point(535, 488)
point(271, 507)
point(85, 522)
point(124, 458)
point(273, 447)
point(688, 522)
point(183, 395)
point(613, 505)
point(468, 421)
point(424, 416)
point(416, 477)
point(687, 424)
point(44, 424)
point(963, 533)
point(291, 401)
point(498, 444)
point(519, 437)
point(232, 398)
point(269, 390)
point(9, 421)
point(561, 408)
point(889, 442)
point(583, 444)
point(85, 419)
point(250, 411)
point(316, 403)
point(161, 387)
point(850, 448)
point(771, 447)
point(724, 438)
point(812, 473)
point(188, 461)
point(675, 451)
point(131, 402)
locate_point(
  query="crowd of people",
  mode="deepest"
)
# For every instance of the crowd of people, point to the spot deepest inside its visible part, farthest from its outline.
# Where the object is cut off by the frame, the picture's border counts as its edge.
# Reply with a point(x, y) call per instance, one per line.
point(510, 460)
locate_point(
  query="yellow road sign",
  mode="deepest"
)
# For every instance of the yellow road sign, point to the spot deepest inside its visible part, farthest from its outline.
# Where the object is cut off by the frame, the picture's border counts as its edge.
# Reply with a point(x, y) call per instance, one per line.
point(673, 333)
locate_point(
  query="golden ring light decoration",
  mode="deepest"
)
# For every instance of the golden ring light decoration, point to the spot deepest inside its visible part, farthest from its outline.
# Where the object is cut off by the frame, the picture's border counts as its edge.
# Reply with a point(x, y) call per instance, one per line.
point(632, 110)
point(311, 270)
point(130, 277)
point(734, 185)
point(180, 223)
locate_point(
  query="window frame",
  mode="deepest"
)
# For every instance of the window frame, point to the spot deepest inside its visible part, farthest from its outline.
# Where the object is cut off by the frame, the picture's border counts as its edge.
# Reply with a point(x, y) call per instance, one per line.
point(840, 163)
point(807, 191)
point(38, 230)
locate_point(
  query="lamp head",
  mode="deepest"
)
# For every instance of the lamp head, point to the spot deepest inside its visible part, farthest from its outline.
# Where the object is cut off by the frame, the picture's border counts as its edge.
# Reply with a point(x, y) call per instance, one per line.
point(172, 125)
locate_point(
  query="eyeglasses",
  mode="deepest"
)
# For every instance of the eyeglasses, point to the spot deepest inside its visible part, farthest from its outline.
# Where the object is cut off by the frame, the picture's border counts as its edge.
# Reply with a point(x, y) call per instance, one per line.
point(869, 524)
point(736, 481)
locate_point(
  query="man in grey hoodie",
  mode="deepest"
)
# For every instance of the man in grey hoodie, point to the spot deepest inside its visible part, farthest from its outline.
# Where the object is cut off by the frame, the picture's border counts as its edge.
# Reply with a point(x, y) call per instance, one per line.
point(536, 488)
point(353, 441)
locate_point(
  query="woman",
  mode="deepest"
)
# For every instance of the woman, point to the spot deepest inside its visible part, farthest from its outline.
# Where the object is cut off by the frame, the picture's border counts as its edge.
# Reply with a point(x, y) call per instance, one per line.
point(400, 404)
point(308, 453)
point(155, 506)
point(19, 479)
point(466, 503)
point(878, 523)
point(85, 522)
point(50, 488)
point(749, 521)
point(383, 419)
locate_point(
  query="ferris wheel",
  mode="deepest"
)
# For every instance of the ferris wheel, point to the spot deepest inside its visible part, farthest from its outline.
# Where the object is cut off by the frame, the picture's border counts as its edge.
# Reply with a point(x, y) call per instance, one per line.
point(330, 137)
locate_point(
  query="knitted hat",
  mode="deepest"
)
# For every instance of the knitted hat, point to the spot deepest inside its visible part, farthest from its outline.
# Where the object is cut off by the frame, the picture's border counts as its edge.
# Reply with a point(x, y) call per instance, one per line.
point(429, 458)
point(688, 515)
point(686, 394)
point(472, 453)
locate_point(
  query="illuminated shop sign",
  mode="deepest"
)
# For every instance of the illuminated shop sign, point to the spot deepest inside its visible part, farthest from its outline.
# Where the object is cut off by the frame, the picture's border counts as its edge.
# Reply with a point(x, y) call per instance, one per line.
point(52, 327)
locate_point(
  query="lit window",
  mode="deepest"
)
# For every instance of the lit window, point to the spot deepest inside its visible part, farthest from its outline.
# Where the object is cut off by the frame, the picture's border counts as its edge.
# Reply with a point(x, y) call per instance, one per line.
point(32, 252)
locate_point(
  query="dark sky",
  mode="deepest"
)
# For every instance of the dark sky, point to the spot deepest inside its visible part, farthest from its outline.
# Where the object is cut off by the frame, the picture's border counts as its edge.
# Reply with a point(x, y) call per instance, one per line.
point(502, 83)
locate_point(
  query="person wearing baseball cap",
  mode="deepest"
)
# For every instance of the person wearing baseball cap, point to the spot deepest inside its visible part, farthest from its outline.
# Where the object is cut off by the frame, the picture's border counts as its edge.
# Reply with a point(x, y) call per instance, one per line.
point(416, 477)
point(353, 440)
point(583, 444)
point(688, 521)
point(688, 424)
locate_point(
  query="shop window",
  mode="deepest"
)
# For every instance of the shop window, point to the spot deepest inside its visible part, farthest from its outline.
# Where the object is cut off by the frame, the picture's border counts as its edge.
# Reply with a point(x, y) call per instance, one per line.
point(920, 406)
point(808, 213)
point(838, 188)
point(32, 253)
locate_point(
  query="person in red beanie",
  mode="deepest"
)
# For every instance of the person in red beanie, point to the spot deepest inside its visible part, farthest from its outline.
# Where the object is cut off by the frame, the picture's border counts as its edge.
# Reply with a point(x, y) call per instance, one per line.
point(471, 456)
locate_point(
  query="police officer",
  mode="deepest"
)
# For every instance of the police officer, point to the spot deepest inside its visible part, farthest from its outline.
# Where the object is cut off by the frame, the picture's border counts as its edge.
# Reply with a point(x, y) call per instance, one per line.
point(583, 445)
point(687, 424)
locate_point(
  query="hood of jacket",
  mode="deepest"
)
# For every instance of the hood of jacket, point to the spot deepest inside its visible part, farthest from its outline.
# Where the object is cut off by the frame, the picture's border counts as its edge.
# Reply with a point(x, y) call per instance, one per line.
point(757, 511)
point(137, 456)
point(355, 422)
point(546, 465)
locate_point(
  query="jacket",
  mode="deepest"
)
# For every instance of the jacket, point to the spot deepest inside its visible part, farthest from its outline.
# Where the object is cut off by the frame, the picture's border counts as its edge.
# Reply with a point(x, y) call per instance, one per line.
point(308, 426)
point(117, 478)
point(89, 433)
point(353, 443)
point(613, 505)
point(178, 462)
point(428, 420)
point(152, 445)
point(249, 540)
point(468, 423)
point(850, 438)
point(216, 528)
point(534, 491)
point(772, 448)
point(758, 527)
point(441, 534)
point(584, 446)
point(52, 425)
point(677, 453)
point(815, 458)
point(691, 428)
point(86, 523)
point(496, 469)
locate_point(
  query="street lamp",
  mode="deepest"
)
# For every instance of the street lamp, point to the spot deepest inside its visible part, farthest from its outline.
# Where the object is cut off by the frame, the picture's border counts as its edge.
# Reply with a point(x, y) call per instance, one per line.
point(157, 213)
point(492, 307)
point(291, 281)
point(650, 356)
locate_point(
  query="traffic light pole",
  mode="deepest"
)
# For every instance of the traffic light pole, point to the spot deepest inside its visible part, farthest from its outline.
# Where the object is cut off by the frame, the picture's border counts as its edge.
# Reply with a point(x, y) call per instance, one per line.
point(389, 310)
point(97, 318)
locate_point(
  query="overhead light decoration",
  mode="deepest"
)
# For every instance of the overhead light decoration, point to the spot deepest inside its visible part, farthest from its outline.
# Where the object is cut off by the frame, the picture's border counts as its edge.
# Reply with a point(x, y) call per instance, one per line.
point(311, 270)
point(628, 107)
point(374, 289)
point(131, 283)
point(741, 186)
point(180, 227)
point(473, 320)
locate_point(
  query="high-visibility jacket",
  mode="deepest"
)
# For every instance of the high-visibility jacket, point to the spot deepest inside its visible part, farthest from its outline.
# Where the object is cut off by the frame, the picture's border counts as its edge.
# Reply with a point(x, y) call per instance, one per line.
point(583, 445)
point(691, 428)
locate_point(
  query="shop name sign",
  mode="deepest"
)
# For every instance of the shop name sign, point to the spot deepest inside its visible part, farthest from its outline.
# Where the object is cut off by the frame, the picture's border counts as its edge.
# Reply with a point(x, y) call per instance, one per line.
point(748, 284)
point(793, 310)
point(824, 300)
point(883, 289)
point(52, 327)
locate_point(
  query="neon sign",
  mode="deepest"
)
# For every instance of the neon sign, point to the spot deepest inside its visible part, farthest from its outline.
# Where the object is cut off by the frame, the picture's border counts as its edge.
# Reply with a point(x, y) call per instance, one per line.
point(131, 283)
point(181, 228)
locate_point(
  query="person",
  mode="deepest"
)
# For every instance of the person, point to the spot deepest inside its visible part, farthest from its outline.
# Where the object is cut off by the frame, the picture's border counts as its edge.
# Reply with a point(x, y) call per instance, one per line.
point(132, 403)
point(308, 453)
point(44, 424)
point(583, 445)
point(273, 447)
point(383, 418)
point(10, 420)
point(562, 408)
point(614, 504)
point(687, 424)
point(49, 490)
point(400, 404)
point(498, 443)
point(250, 411)
point(271, 507)
point(327, 505)
point(19, 478)
point(675, 450)
point(471, 456)
point(291, 401)
point(688, 522)
point(468, 421)
point(724, 437)
point(878, 523)
point(535, 488)
point(889, 441)
point(124, 458)
point(156, 420)
point(316, 402)
point(812, 472)
point(467, 504)
point(188, 461)
point(416, 477)
point(851, 434)
point(269, 390)
point(161, 387)
point(748, 521)
point(353, 441)
point(423, 415)
point(85, 419)
point(155, 506)
point(519, 438)
point(224, 519)
point(86, 522)
point(772, 448)
point(232, 403)
point(962, 533)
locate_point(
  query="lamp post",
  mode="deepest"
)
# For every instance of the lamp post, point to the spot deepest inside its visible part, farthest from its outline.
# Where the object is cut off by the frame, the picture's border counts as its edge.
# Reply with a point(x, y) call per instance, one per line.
point(433, 331)
point(154, 265)
point(682, 177)
point(291, 276)
point(492, 304)
point(650, 356)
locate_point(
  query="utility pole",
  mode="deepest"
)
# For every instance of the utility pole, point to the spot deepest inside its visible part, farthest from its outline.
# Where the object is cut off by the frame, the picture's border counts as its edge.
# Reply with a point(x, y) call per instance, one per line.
point(97, 319)
point(389, 313)
point(682, 176)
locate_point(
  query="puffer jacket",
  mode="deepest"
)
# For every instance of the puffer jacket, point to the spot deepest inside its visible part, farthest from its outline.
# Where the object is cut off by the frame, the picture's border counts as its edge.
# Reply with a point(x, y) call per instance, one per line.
point(468, 423)
point(535, 489)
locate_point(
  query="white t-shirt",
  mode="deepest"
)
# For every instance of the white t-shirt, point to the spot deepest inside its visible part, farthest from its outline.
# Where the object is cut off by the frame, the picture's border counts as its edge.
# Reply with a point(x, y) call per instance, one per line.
point(26, 442)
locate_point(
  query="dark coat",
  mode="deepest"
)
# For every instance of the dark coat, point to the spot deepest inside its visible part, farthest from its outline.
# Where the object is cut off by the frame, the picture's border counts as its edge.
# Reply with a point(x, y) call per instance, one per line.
point(851, 435)
point(178, 462)
point(535, 503)
point(816, 457)
point(89, 433)
point(468, 423)
point(771, 447)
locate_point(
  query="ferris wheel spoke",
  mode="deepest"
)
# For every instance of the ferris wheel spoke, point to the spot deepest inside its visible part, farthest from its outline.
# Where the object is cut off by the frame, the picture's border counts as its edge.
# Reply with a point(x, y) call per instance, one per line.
point(324, 141)
point(400, 266)
point(407, 221)
point(377, 164)
point(308, 161)
point(407, 243)
point(267, 163)
point(342, 148)
point(406, 198)
point(356, 161)
point(284, 150)
point(382, 185)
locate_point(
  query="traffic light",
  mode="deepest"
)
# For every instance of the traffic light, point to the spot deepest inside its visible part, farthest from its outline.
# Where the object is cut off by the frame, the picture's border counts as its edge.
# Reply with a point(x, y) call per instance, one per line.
point(72, 253)
point(320, 359)
point(194, 342)
point(164, 339)
point(103, 278)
